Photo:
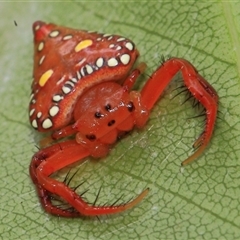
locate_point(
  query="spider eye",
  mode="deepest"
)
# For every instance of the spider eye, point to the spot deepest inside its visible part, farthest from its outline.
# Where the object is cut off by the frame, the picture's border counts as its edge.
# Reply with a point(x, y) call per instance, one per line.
point(108, 107)
point(130, 106)
point(111, 123)
point(91, 137)
point(98, 115)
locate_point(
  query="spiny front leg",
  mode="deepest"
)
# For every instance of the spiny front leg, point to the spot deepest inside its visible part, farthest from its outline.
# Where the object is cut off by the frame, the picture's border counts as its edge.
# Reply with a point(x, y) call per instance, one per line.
point(44, 155)
point(197, 86)
point(50, 160)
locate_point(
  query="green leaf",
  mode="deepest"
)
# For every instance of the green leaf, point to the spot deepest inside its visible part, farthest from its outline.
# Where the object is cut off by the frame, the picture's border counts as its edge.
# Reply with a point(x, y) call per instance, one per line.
point(200, 201)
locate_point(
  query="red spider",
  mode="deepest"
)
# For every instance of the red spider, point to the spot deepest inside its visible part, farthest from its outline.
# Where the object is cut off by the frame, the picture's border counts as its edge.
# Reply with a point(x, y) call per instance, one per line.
point(81, 86)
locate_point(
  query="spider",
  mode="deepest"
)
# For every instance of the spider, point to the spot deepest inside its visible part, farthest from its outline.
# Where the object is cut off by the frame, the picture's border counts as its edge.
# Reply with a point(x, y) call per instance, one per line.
point(81, 87)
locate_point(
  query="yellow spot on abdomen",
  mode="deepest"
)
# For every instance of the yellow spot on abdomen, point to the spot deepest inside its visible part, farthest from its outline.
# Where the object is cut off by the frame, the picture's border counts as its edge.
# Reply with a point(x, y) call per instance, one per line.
point(44, 78)
point(83, 44)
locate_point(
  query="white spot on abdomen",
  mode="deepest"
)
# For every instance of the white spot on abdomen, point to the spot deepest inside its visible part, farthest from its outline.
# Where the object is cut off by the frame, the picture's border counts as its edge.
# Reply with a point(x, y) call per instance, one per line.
point(31, 112)
point(121, 39)
point(39, 114)
point(125, 59)
point(34, 123)
point(112, 62)
point(67, 37)
point(107, 35)
point(78, 75)
point(40, 46)
point(31, 97)
point(69, 83)
point(41, 60)
point(53, 111)
point(47, 123)
point(74, 80)
point(37, 27)
point(99, 62)
point(54, 33)
point(66, 89)
point(57, 98)
point(89, 69)
point(129, 46)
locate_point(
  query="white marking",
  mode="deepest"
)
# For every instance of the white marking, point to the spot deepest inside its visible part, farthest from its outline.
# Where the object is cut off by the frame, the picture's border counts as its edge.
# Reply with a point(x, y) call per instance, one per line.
point(31, 97)
point(82, 72)
point(31, 112)
point(54, 33)
point(112, 62)
point(78, 75)
point(39, 114)
point(47, 123)
point(34, 123)
point(99, 39)
point(111, 46)
point(33, 101)
point(53, 111)
point(37, 27)
point(40, 46)
point(41, 60)
point(82, 61)
point(110, 38)
point(89, 69)
point(107, 35)
point(118, 48)
point(121, 39)
point(66, 89)
point(99, 62)
point(60, 80)
point(57, 98)
point(129, 46)
point(67, 37)
point(69, 83)
point(125, 59)
point(74, 80)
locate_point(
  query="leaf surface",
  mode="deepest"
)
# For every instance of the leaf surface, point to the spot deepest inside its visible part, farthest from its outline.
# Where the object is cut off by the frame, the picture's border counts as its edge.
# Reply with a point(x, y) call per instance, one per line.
point(200, 201)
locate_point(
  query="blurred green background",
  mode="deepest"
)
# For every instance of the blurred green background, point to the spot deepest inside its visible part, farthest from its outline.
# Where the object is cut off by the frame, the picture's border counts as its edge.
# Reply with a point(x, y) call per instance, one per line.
point(200, 201)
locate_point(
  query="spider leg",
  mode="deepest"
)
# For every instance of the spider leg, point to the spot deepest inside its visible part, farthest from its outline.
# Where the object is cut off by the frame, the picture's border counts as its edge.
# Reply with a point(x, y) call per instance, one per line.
point(201, 90)
point(45, 156)
point(131, 79)
point(53, 158)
